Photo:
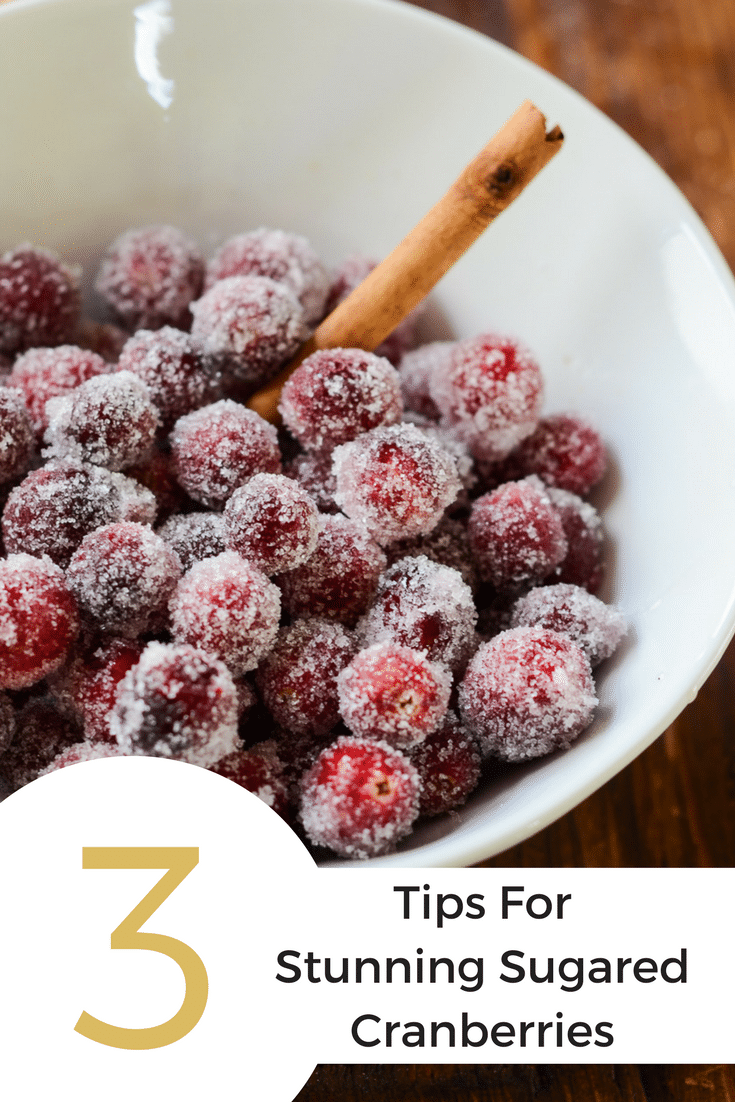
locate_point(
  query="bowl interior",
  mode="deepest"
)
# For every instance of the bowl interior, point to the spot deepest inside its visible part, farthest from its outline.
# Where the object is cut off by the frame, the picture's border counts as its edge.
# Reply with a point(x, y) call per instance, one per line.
point(345, 120)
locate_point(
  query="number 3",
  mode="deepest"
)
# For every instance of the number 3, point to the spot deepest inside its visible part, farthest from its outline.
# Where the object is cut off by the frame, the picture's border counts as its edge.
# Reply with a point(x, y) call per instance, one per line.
point(179, 861)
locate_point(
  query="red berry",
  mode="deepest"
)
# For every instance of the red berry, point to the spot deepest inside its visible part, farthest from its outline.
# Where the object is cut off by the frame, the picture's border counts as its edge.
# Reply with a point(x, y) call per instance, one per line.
point(298, 679)
point(54, 508)
point(596, 627)
point(396, 481)
point(527, 692)
point(564, 451)
point(360, 798)
point(150, 275)
point(340, 578)
point(44, 373)
point(16, 434)
point(42, 732)
point(447, 544)
point(217, 448)
point(122, 576)
point(393, 693)
point(177, 702)
point(88, 686)
point(39, 299)
point(448, 762)
point(173, 367)
point(249, 326)
point(416, 371)
point(109, 421)
point(313, 471)
point(515, 534)
point(259, 770)
point(194, 536)
point(582, 564)
point(228, 608)
point(38, 620)
point(285, 257)
point(271, 522)
point(490, 394)
point(337, 394)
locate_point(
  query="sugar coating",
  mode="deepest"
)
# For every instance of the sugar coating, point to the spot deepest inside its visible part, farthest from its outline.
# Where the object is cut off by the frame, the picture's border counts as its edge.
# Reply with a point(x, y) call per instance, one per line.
point(17, 438)
point(564, 451)
point(527, 692)
point(150, 275)
point(285, 257)
point(351, 272)
point(38, 620)
point(313, 471)
point(394, 693)
point(87, 686)
point(217, 448)
point(490, 394)
point(249, 325)
point(108, 420)
point(448, 762)
point(298, 679)
point(360, 798)
point(42, 732)
point(272, 522)
point(597, 628)
point(123, 576)
point(416, 370)
point(178, 375)
point(88, 750)
point(424, 605)
point(337, 394)
point(582, 526)
point(54, 508)
point(177, 702)
point(39, 299)
point(340, 578)
point(515, 534)
point(259, 770)
point(43, 373)
point(395, 480)
point(447, 544)
point(227, 607)
point(194, 536)
point(156, 474)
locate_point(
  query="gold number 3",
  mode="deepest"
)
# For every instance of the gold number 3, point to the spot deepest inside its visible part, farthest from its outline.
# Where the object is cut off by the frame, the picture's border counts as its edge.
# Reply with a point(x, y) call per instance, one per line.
point(178, 861)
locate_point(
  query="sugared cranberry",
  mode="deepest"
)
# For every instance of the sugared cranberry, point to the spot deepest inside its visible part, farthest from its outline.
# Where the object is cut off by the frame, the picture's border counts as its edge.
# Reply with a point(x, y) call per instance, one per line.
point(490, 394)
point(228, 608)
point(298, 679)
point(39, 299)
point(447, 544)
point(393, 693)
point(109, 421)
point(448, 762)
point(260, 771)
point(337, 394)
point(54, 508)
point(515, 534)
point(217, 448)
point(396, 481)
point(88, 685)
point(271, 522)
point(44, 373)
point(571, 610)
point(173, 367)
point(150, 275)
point(340, 578)
point(88, 750)
point(195, 536)
point(423, 605)
point(564, 451)
point(249, 326)
point(177, 702)
point(582, 564)
point(17, 439)
point(38, 620)
point(286, 257)
point(42, 732)
point(416, 370)
point(313, 471)
point(527, 692)
point(102, 337)
point(123, 576)
point(360, 798)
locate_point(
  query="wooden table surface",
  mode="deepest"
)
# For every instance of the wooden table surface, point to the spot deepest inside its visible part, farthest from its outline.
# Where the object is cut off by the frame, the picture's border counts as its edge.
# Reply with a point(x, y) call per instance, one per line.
point(665, 71)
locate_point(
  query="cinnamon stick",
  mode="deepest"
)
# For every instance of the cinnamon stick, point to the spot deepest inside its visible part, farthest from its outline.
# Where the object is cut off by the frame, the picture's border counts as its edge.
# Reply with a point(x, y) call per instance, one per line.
point(486, 187)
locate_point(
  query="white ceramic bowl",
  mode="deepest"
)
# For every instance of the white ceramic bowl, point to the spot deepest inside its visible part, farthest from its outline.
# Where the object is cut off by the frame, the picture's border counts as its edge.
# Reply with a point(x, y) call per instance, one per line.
point(345, 120)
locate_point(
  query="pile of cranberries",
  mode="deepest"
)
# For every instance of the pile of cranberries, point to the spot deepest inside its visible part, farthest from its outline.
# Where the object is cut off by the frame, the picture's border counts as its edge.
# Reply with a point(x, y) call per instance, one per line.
point(348, 616)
